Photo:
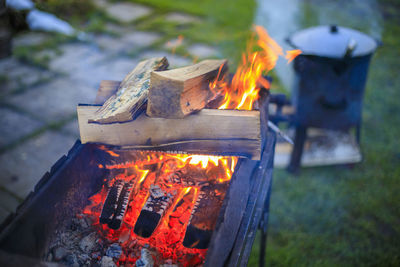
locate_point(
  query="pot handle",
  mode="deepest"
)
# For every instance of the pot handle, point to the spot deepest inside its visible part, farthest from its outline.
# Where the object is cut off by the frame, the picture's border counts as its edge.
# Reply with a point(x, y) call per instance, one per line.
point(351, 46)
point(289, 42)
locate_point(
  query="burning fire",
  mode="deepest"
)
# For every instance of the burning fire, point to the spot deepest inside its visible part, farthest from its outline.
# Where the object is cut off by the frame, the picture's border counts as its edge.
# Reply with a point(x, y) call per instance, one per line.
point(156, 168)
point(248, 79)
point(182, 179)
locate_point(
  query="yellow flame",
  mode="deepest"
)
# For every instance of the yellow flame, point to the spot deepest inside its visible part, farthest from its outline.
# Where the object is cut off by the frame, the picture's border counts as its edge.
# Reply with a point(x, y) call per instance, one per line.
point(248, 79)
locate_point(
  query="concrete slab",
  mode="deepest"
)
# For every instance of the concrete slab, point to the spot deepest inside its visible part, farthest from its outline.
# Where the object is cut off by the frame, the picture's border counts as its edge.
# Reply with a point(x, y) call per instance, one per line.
point(175, 61)
point(127, 12)
point(8, 202)
point(56, 100)
point(19, 76)
point(15, 125)
point(322, 148)
point(22, 167)
point(140, 39)
point(29, 38)
point(202, 51)
point(72, 129)
point(182, 18)
point(127, 42)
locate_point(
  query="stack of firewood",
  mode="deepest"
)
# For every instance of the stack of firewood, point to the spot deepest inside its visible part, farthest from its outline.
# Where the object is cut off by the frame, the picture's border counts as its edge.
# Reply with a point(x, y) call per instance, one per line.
point(160, 109)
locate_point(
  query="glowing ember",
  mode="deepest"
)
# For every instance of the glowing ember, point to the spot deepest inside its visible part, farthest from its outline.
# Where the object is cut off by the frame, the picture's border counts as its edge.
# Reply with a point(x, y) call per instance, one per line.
point(184, 177)
point(248, 79)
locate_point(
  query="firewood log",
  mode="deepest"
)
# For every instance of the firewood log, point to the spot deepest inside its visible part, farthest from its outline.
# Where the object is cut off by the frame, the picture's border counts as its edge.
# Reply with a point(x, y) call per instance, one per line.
point(111, 202)
point(204, 216)
point(153, 210)
point(179, 92)
point(221, 132)
point(123, 202)
point(131, 94)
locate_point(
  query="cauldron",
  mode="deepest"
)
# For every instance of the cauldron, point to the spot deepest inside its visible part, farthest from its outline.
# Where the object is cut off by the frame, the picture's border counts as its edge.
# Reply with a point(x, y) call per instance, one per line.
point(331, 74)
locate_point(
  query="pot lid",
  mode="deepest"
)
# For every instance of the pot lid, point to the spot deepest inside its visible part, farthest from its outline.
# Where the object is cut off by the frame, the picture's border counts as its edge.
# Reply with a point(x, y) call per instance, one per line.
point(333, 41)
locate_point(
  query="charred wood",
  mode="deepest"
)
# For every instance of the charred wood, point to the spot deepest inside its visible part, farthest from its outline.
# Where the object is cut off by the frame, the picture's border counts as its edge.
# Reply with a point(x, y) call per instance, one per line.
point(111, 202)
point(153, 210)
point(123, 202)
point(204, 216)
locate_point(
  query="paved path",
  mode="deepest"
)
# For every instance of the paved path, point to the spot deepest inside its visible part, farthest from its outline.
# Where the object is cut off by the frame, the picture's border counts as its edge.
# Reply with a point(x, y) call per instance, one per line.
point(38, 105)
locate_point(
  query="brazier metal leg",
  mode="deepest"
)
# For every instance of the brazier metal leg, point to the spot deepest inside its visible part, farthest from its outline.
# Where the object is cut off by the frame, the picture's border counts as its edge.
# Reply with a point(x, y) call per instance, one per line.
point(295, 157)
point(264, 230)
point(358, 133)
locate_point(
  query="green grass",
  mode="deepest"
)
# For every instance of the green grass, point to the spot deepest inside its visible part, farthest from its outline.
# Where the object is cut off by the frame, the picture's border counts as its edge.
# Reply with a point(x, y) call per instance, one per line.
point(225, 24)
point(338, 216)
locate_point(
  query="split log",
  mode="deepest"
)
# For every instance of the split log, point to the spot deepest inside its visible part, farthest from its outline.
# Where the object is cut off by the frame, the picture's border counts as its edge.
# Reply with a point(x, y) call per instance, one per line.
point(179, 92)
point(111, 202)
point(220, 132)
point(106, 89)
point(153, 210)
point(123, 202)
point(204, 216)
point(131, 94)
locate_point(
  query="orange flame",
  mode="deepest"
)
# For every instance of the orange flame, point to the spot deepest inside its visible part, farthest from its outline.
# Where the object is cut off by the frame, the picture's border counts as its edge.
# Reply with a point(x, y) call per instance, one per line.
point(292, 54)
point(167, 239)
point(175, 44)
point(248, 79)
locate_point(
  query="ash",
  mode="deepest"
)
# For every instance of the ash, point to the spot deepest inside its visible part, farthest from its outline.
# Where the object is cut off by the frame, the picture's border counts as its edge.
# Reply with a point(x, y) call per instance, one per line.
point(78, 243)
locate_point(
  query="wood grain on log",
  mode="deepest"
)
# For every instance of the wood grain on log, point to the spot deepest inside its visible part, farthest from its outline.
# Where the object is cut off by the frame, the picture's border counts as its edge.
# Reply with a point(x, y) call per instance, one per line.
point(106, 89)
point(131, 95)
point(224, 132)
point(179, 92)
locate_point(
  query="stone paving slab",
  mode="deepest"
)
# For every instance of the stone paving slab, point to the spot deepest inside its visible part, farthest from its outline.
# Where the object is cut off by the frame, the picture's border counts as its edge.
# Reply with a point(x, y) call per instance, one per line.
point(181, 18)
point(56, 100)
point(22, 167)
point(85, 64)
point(118, 29)
point(8, 202)
point(29, 38)
point(116, 69)
point(3, 214)
point(202, 51)
point(127, 42)
point(140, 39)
point(127, 12)
point(75, 57)
point(174, 43)
point(72, 129)
point(19, 75)
point(175, 61)
point(15, 125)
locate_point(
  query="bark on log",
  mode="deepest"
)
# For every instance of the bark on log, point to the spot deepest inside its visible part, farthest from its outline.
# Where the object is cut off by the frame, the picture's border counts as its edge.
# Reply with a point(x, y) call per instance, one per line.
point(179, 92)
point(131, 95)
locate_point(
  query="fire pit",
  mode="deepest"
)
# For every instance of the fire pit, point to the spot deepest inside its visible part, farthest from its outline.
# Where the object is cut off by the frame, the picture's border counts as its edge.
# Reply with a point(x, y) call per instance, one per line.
point(69, 198)
point(186, 184)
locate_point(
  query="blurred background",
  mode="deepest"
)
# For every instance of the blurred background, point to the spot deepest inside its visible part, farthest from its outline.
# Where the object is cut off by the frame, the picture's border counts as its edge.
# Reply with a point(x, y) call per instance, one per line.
point(326, 216)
